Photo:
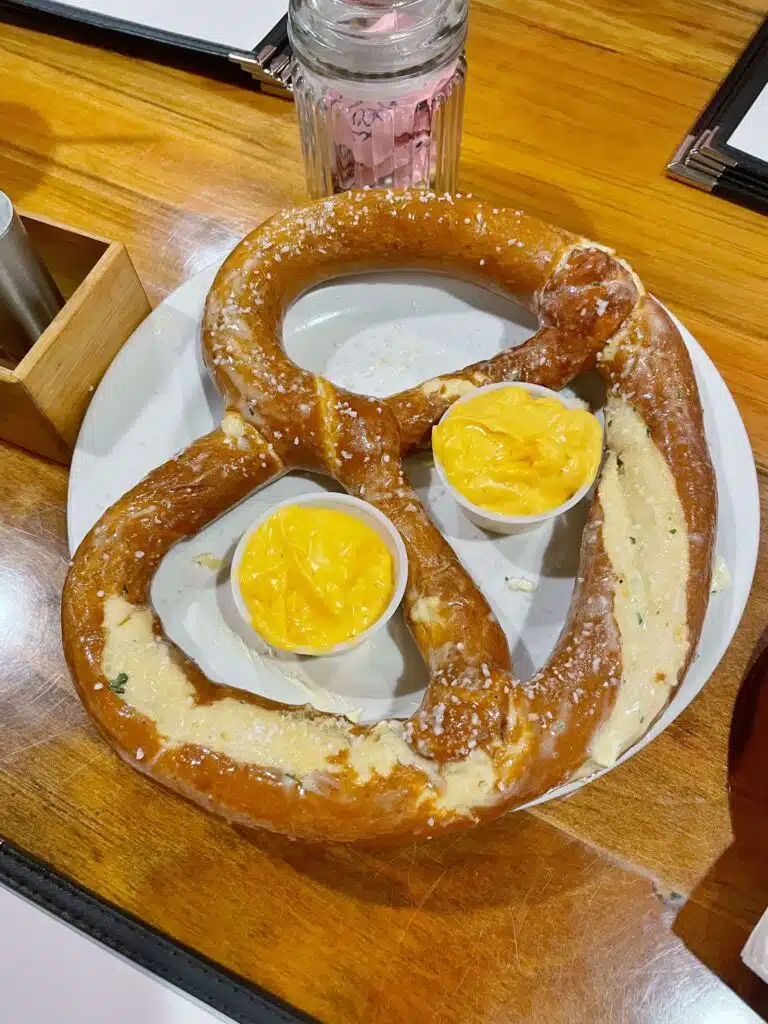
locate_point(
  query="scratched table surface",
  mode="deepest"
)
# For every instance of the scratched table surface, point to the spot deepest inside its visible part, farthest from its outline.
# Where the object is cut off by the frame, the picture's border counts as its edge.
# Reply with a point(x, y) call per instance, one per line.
point(629, 901)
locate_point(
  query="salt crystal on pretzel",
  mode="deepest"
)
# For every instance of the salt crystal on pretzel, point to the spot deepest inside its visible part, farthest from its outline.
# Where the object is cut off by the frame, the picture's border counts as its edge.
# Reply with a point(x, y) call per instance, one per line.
point(481, 742)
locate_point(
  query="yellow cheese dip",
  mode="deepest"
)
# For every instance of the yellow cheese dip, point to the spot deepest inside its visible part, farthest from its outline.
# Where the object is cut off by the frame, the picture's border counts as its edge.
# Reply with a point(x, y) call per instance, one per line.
point(510, 451)
point(314, 577)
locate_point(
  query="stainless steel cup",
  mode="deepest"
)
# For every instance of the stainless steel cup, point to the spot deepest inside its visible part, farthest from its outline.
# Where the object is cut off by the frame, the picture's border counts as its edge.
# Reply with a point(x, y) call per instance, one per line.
point(29, 298)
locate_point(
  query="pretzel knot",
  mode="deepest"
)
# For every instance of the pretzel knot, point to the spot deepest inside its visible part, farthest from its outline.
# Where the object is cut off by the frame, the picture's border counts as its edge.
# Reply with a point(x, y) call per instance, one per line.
point(482, 741)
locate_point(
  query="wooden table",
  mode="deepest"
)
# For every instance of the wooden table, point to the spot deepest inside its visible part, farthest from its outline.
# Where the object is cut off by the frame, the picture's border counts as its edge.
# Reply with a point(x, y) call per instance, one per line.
point(573, 912)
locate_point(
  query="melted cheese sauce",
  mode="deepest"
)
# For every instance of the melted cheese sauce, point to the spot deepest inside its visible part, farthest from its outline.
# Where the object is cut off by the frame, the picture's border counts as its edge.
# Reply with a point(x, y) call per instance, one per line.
point(646, 540)
point(287, 741)
point(314, 578)
point(516, 453)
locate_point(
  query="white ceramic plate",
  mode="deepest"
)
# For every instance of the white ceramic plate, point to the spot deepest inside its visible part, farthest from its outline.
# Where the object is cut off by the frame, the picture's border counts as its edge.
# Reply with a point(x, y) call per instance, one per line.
point(376, 335)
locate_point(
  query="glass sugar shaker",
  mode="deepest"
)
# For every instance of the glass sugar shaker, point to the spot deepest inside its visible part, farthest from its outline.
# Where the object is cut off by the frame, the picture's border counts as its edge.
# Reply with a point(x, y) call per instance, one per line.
point(379, 88)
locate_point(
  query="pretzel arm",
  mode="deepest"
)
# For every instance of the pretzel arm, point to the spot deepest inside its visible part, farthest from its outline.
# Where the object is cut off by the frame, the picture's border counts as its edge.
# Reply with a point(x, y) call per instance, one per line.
point(586, 301)
point(121, 553)
point(463, 645)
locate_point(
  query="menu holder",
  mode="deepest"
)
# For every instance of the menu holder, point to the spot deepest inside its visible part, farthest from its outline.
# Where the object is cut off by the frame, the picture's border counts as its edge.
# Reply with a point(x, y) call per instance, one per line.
point(726, 150)
point(44, 397)
point(271, 63)
point(224, 30)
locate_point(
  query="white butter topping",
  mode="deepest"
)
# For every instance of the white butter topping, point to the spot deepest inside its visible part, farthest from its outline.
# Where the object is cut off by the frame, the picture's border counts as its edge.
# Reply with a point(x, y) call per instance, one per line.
point(520, 583)
point(288, 741)
point(721, 577)
point(646, 540)
point(209, 561)
point(233, 426)
point(427, 611)
point(448, 388)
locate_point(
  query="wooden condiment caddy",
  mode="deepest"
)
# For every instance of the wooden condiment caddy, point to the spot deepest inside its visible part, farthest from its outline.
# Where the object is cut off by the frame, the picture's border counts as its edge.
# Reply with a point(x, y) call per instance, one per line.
point(44, 397)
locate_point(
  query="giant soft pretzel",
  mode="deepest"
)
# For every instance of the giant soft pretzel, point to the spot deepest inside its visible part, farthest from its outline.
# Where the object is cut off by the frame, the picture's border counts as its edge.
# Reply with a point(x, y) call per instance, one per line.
point(482, 741)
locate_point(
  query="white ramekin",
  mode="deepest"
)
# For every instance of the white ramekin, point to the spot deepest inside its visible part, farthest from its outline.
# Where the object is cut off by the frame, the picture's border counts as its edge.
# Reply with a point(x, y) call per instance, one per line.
point(498, 522)
point(352, 506)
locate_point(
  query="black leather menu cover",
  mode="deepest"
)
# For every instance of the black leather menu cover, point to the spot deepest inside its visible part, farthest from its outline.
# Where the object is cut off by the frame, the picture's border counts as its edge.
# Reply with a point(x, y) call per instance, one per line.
point(201, 978)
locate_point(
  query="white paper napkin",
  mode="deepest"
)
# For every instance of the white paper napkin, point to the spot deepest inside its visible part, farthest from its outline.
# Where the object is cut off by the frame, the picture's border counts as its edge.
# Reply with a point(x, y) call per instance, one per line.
point(49, 972)
point(755, 952)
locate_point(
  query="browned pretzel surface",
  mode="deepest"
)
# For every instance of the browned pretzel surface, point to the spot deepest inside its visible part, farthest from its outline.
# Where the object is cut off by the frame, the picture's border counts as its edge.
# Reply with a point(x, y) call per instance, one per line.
point(481, 741)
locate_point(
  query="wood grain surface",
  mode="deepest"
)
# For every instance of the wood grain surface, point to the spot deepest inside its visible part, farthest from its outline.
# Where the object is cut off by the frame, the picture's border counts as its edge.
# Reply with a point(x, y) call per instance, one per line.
point(628, 901)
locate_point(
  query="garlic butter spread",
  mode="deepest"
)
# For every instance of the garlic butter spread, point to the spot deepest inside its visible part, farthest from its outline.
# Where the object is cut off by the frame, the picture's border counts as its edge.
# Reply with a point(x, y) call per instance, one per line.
point(314, 577)
point(513, 452)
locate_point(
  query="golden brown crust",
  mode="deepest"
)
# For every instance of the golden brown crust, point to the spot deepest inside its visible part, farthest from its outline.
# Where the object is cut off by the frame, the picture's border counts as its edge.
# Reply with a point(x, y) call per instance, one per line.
point(592, 311)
